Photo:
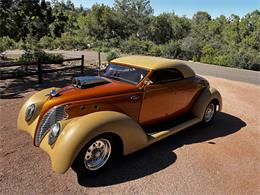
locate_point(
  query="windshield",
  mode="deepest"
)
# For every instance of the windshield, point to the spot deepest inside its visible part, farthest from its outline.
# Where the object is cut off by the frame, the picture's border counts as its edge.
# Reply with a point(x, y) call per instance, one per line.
point(125, 73)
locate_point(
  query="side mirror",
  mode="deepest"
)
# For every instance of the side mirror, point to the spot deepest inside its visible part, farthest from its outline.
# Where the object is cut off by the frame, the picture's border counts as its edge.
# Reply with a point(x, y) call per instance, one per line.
point(146, 83)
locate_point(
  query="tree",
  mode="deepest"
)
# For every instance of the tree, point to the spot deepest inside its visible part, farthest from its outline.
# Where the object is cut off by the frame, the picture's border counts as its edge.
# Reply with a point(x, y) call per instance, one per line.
point(160, 31)
point(99, 22)
point(191, 48)
point(6, 23)
point(131, 27)
point(133, 17)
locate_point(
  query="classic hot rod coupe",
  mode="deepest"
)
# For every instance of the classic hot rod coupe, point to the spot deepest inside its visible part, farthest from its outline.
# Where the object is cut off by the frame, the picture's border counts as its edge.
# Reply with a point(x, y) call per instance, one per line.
point(137, 101)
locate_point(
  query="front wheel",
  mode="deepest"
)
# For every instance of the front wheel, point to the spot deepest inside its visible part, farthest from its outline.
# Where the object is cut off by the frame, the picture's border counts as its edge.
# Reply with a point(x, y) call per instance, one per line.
point(94, 156)
point(209, 113)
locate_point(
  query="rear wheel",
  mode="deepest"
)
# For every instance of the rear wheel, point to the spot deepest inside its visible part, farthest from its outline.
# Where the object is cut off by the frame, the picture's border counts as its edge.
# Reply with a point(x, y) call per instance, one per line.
point(95, 155)
point(209, 113)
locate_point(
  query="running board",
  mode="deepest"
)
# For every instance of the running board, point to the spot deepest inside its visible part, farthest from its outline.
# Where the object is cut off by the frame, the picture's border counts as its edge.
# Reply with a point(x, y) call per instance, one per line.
point(156, 136)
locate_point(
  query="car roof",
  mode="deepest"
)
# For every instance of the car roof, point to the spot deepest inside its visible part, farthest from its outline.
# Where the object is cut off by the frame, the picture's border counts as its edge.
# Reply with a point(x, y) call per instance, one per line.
point(155, 63)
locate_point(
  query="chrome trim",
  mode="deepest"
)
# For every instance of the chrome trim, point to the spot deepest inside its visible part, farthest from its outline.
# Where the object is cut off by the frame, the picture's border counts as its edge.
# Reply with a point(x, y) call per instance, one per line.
point(97, 154)
point(210, 110)
point(30, 110)
point(51, 117)
point(54, 133)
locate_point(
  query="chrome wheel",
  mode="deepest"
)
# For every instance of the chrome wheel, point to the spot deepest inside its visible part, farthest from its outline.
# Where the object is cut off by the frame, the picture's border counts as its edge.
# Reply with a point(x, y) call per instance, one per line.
point(209, 112)
point(97, 154)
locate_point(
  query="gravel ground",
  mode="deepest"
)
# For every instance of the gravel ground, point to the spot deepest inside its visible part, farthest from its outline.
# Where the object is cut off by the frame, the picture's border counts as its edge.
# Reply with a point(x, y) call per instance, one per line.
point(223, 158)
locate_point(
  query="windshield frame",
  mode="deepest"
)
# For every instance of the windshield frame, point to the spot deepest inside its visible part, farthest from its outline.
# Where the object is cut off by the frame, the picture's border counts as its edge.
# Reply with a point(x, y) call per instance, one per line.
point(147, 71)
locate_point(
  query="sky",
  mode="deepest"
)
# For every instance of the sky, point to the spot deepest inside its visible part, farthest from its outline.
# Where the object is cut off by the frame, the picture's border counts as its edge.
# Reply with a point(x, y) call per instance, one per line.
point(188, 7)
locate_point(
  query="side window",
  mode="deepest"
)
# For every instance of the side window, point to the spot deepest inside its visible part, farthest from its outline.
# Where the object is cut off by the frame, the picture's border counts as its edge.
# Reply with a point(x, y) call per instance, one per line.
point(166, 75)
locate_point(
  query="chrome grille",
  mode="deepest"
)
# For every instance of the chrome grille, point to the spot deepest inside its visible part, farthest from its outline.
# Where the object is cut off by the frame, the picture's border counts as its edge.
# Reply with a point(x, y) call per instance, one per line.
point(54, 115)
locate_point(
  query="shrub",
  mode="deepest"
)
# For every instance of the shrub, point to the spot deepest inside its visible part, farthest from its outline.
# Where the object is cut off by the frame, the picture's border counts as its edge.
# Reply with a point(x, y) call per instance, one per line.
point(248, 59)
point(33, 56)
point(135, 46)
point(156, 50)
point(6, 43)
point(172, 49)
point(222, 60)
point(47, 42)
point(112, 55)
point(100, 46)
point(72, 41)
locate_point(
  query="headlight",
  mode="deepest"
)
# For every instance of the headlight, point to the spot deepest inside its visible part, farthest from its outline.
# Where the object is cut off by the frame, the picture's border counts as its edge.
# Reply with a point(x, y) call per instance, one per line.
point(29, 112)
point(54, 132)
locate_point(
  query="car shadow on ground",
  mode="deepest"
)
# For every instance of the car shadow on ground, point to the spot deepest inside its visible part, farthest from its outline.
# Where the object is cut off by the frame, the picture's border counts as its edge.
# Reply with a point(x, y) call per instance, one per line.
point(161, 155)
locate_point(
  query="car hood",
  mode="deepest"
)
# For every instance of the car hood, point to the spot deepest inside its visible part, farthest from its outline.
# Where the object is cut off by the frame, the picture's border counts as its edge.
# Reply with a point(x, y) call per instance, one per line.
point(73, 93)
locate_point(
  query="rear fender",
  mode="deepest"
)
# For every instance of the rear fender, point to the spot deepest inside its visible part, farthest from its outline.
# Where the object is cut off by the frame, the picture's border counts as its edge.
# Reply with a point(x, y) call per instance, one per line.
point(207, 95)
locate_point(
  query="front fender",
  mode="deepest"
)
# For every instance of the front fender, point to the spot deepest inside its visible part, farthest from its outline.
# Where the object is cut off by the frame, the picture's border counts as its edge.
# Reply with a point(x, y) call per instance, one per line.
point(38, 99)
point(206, 96)
point(77, 132)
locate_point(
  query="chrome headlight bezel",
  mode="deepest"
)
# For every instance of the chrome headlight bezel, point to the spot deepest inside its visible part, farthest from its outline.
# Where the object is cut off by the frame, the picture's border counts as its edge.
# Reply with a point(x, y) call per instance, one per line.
point(54, 133)
point(30, 110)
point(51, 117)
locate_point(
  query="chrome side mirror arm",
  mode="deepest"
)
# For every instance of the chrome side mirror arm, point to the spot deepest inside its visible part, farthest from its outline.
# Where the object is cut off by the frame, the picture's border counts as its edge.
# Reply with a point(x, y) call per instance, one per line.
point(146, 83)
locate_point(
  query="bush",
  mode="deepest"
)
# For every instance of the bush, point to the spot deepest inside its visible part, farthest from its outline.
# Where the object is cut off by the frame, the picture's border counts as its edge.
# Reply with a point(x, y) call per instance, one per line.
point(33, 56)
point(136, 46)
point(71, 41)
point(6, 43)
point(172, 49)
point(112, 55)
point(156, 50)
point(100, 46)
point(222, 60)
point(245, 58)
point(106, 45)
point(47, 42)
point(248, 59)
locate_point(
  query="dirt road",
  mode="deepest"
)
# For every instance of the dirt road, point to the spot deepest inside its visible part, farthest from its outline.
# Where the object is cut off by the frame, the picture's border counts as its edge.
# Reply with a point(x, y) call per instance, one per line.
point(223, 158)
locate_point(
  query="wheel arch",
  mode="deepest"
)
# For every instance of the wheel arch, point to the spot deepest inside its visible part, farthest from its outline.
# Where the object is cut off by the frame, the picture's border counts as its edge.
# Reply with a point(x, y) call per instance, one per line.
point(116, 138)
point(79, 131)
point(217, 103)
point(207, 95)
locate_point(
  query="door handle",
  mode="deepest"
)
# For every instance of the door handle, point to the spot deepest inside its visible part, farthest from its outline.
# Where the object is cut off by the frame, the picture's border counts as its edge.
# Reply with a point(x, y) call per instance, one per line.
point(135, 97)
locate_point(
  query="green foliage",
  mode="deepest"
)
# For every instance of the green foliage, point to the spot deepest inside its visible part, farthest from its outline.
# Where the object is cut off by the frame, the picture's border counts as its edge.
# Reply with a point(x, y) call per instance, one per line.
point(48, 43)
point(34, 56)
point(112, 55)
point(6, 43)
point(172, 49)
point(130, 27)
point(135, 46)
point(160, 29)
point(191, 48)
point(156, 50)
point(132, 18)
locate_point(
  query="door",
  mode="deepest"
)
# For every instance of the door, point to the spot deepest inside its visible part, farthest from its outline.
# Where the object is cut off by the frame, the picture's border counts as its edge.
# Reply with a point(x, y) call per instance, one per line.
point(156, 103)
point(159, 97)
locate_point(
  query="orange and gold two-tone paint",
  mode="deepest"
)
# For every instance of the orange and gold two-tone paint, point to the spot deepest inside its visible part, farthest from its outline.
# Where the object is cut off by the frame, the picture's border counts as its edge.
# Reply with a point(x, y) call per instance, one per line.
point(120, 108)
